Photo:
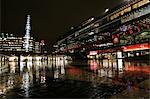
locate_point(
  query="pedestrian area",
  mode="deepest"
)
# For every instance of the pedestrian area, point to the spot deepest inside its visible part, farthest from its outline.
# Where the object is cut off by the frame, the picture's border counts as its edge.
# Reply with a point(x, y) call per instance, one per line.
point(140, 91)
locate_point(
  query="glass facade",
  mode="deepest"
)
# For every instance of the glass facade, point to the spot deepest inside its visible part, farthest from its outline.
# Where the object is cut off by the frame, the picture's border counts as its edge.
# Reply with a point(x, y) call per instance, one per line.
point(128, 25)
point(13, 43)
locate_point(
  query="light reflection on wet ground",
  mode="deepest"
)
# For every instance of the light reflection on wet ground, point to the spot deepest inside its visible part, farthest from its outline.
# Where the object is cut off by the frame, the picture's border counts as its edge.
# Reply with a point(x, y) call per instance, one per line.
point(78, 79)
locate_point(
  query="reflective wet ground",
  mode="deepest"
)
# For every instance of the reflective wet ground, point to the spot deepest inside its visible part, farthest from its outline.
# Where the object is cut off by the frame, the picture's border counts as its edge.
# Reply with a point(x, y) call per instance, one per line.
point(77, 79)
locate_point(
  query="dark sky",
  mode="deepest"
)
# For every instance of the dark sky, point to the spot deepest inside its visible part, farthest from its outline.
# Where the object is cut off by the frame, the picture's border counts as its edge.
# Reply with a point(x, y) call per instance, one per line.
point(50, 18)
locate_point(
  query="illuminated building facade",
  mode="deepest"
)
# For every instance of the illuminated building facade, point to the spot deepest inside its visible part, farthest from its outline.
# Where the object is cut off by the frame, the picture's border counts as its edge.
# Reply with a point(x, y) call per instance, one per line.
point(119, 33)
point(42, 47)
point(37, 47)
point(9, 43)
point(27, 45)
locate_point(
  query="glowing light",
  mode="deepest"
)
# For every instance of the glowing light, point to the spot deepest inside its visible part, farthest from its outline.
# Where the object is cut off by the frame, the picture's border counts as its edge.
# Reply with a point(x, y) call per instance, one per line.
point(21, 66)
point(120, 64)
point(92, 18)
point(29, 58)
point(27, 35)
point(136, 47)
point(12, 58)
point(56, 74)
point(105, 63)
point(93, 52)
point(42, 43)
point(106, 10)
point(43, 79)
point(91, 33)
point(38, 58)
point(119, 54)
point(26, 83)
point(12, 67)
point(145, 69)
point(93, 65)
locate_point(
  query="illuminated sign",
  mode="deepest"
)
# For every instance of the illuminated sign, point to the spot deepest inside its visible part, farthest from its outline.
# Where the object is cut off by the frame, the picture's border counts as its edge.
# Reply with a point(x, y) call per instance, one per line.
point(136, 47)
point(120, 13)
point(129, 8)
point(136, 14)
point(93, 52)
point(102, 45)
point(139, 4)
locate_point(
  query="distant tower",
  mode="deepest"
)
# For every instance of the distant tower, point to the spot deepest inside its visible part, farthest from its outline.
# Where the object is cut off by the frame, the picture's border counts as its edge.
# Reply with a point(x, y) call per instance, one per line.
point(27, 35)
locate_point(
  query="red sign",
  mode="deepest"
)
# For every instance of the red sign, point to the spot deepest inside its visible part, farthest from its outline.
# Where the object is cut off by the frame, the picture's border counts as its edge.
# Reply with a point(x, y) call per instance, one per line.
point(136, 47)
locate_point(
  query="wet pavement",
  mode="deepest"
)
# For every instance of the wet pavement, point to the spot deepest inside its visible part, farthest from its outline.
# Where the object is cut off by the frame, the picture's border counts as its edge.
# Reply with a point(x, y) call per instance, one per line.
point(75, 79)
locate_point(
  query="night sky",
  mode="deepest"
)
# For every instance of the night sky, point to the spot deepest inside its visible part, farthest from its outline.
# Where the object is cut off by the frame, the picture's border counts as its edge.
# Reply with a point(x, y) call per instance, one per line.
point(51, 19)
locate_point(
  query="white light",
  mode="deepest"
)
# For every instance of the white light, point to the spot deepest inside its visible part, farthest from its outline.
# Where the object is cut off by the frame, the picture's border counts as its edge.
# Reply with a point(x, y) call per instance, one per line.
point(92, 18)
point(91, 33)
point(21, 66)
point(55, 45)
point(25, 84)
point(12, 67)
point(93, 53)
point(119, 54)
point(27, 35)
point(12, 58)
point(120, 64)
point(38, 58)
point(43, 79)
point(106, 10)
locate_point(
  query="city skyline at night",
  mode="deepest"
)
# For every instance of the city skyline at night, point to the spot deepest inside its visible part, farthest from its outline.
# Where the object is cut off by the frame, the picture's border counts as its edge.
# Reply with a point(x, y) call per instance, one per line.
point(51, 18)
point(75, 49)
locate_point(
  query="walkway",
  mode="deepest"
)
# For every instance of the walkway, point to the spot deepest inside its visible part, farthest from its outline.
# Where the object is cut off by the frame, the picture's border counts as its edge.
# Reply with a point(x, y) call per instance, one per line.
point(140, 91)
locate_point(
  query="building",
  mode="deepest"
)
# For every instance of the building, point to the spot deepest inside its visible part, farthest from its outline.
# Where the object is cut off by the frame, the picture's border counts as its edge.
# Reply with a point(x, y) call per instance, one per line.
point(9, 43)
point(42, 47)
point(37, 47)
point(121, 32)
point(31, 46)
point(27, 40)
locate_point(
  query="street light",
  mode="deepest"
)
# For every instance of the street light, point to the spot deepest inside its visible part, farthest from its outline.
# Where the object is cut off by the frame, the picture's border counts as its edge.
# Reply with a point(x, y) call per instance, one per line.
point(106, 10)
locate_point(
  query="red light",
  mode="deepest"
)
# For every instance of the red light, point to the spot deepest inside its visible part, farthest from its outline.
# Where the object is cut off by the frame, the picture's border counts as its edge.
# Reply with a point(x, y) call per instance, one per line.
point(136, 47)
point(93, 65)
point(145, 69)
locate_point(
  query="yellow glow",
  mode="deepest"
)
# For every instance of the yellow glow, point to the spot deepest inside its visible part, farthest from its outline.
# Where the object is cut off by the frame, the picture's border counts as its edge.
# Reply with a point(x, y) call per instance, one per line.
point(13, 58)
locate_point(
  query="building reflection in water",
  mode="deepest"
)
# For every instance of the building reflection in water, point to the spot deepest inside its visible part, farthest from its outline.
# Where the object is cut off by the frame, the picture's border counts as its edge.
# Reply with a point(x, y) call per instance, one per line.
point(93, 65)
point(12, 67)
point(26, 83)
point(107, 68)
point(37, 72)
point(42, 73)
point(95, 71)
point(26, 75)
point(7, 76)
point(137, 67)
